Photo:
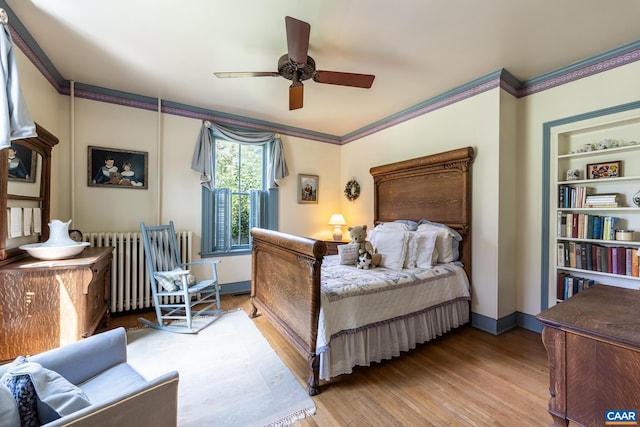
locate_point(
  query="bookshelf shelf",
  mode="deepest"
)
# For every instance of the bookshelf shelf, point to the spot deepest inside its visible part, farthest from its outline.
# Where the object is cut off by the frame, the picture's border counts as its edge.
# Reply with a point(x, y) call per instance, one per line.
point(601, 242)
point(573, 147)
point(600, 181)
point(620, 208)
point(599, 273)
point(598, 153)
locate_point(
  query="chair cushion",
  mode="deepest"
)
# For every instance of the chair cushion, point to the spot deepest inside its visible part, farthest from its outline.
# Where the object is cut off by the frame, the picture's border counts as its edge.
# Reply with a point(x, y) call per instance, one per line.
point(112, 382)
point(53, 396)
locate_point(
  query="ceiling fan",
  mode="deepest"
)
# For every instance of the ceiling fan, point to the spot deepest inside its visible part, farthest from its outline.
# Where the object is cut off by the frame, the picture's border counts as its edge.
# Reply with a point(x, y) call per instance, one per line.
point(297, 66)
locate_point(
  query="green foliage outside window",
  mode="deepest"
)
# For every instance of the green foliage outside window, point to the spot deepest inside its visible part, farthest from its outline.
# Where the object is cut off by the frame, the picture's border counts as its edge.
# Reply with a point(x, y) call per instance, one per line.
point(239, 167)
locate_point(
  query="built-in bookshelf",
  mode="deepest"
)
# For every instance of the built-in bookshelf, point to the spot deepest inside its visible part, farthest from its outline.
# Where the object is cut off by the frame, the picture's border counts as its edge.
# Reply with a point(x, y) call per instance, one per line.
point(595, 172)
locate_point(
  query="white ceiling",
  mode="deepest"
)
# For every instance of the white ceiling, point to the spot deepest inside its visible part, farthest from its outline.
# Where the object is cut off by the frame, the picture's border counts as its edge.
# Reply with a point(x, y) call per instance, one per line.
point(417, 49)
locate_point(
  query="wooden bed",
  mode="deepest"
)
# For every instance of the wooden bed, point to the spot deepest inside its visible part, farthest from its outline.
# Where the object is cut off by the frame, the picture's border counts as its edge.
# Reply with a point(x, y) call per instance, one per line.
point(286, 269)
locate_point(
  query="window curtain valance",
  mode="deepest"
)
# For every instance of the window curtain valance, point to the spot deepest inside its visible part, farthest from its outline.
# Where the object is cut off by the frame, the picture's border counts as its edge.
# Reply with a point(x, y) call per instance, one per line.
point(203, 154)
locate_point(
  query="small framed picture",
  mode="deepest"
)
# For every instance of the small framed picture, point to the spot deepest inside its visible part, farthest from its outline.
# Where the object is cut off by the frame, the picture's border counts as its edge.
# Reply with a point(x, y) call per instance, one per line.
point(308, 188)
point(111, 167)
point(22, 163)
point(604, 170)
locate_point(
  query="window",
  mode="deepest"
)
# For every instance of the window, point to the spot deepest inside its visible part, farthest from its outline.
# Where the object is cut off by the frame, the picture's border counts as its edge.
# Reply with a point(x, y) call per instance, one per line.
point(239, 200)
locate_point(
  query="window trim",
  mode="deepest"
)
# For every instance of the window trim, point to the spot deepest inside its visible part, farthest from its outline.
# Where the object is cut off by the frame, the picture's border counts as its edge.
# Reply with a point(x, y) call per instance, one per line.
point(208, 209)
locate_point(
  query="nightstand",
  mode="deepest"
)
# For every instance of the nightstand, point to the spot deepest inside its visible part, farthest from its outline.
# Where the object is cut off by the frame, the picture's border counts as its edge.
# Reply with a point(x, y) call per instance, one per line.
point(332, 245)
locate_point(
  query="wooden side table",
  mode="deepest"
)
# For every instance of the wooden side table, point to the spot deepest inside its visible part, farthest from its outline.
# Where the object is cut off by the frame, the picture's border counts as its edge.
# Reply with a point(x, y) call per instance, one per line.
point(332, 245)
point(593, 343)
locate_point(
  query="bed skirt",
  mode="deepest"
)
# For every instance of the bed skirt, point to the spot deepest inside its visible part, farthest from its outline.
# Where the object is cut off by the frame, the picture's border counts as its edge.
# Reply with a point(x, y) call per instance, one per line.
point(385, 340)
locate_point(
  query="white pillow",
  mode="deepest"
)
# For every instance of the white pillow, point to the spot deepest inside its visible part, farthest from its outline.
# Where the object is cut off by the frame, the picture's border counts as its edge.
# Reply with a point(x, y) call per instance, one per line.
point(388, 226)
point(427, 253)
point(392, 245)
point(348, 253)
point(398, 226)
point(447, 242)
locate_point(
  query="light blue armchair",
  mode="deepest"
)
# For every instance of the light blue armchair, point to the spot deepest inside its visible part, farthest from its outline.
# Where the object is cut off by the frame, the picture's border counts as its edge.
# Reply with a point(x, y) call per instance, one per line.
point(118, 395)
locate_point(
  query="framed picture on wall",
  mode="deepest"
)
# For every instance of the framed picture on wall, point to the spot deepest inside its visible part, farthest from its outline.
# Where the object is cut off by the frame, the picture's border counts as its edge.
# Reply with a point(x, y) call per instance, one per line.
point(111, 167)
point(308, 188)
point(22, 163)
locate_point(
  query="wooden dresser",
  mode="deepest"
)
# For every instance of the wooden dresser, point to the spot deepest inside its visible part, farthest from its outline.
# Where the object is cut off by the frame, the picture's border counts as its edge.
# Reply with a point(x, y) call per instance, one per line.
point(46, 304)
point(593, 343)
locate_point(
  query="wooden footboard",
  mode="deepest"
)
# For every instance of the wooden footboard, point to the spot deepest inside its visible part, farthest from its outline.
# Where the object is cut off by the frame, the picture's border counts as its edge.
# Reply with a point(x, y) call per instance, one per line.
point(285, 287)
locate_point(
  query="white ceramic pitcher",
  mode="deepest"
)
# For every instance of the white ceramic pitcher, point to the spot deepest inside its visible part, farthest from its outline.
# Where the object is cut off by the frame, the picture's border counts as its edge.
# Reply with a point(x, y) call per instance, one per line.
point(59, 234)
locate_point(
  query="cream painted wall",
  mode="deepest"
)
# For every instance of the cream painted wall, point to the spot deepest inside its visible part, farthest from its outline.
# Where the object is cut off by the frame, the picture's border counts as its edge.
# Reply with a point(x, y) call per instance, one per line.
point(488, 122)
point(507, 221)
point(111, 126)
point(43, 102)
point(615, 87)
point(472, 122)
point(310, 158)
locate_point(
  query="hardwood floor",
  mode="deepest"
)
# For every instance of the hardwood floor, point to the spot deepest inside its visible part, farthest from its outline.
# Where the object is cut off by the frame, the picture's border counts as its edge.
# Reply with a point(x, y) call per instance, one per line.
point(465, 378)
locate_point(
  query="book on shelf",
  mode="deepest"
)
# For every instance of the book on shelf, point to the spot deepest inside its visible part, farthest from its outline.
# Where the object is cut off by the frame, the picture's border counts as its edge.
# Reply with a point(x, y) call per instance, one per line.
point(588, 256)
point(601, 201)
point(572, 254)
point(578, 250)
point(573, 197)
point(634, 263)
point(622, 262)
point(568, 285)
point(560, 254)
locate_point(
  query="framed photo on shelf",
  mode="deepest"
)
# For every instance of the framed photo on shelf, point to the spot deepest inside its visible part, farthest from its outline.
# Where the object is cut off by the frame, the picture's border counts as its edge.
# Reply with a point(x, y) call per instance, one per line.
point(604, 170)
point(308, 188)
point(111, 167)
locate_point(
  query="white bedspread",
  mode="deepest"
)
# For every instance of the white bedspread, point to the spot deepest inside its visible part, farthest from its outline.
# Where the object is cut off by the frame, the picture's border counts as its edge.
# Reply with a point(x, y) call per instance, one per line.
point(353, 299)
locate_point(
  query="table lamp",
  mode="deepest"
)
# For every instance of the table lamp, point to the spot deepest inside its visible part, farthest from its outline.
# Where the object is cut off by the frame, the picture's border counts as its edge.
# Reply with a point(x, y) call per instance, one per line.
point(337, 220)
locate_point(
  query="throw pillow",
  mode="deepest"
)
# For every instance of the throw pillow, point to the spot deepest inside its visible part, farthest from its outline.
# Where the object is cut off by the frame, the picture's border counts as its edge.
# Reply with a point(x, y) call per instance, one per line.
point(9, 414)
point(55, 396)
point(348, 253)
point(22, 389)
point(171, 280)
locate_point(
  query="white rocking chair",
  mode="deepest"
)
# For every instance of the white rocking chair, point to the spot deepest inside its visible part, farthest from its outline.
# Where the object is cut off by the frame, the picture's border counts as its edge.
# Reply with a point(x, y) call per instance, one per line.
point(182, 304)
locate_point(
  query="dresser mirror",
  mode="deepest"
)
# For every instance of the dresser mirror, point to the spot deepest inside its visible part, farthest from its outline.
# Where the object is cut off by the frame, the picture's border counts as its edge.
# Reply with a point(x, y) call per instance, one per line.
point(25, 184)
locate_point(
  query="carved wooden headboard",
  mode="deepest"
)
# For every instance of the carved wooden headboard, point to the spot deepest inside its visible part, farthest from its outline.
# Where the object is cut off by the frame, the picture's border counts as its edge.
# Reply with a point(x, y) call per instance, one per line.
point(435, 187)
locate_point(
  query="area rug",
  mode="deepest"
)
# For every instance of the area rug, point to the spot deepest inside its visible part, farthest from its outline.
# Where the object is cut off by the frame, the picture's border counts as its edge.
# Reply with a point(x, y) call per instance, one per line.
point(229, 375)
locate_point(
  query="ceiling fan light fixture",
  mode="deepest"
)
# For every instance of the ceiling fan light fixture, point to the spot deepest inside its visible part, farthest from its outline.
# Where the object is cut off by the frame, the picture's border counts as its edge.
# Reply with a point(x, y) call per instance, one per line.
point(296, 95)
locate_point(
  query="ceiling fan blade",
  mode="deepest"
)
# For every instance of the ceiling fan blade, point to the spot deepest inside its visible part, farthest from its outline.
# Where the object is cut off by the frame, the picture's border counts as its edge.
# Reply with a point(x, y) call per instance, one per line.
point(344, 79)
point(296, 92)
point(246, 74)
point(297, 39)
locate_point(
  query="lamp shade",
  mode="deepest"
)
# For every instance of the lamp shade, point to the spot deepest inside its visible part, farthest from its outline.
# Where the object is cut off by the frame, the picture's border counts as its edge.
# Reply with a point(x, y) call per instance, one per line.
point(337, 219)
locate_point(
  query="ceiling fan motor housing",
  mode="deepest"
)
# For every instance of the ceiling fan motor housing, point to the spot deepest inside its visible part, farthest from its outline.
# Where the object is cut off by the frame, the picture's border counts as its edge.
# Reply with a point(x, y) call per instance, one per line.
point(287, 68)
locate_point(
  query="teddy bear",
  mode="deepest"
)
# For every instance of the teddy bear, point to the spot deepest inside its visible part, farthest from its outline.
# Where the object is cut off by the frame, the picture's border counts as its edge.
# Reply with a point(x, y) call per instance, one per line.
point(358, 235)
